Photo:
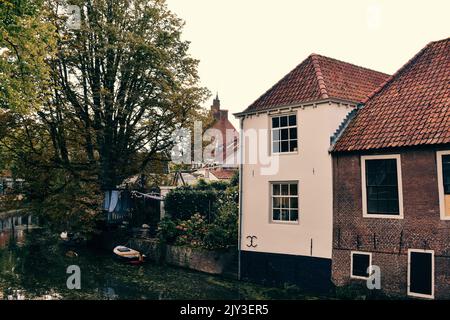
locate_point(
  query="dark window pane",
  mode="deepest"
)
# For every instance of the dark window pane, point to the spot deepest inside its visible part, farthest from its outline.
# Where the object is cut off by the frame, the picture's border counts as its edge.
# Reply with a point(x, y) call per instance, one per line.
point(276, 189)
point(276, 147)
point(392, 207)
point(292, 120)
point(275, 122)
point(284, 134)
point(381, 172)
point(293, 189)
point(421, 273)
point(294, 203)
point(293, 145)
point(446, 173)
point(285, 203)
point(276, 214)
point(285, 215)
point(293, 133)
point(276, 202)
point(284, 146)
point(372, 206)
point(276, 135)
point(360, 264)
point(382, 186)
point(285, 189)
point(294, 215)
point(283, 121)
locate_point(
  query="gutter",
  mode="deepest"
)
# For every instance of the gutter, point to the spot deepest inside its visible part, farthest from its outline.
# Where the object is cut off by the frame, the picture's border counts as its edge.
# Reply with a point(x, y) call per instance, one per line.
point(311, 103)
point(241, 190)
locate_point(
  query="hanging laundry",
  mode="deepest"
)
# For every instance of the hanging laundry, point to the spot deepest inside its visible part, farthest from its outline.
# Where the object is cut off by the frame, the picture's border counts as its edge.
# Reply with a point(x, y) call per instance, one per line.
point(114, 200)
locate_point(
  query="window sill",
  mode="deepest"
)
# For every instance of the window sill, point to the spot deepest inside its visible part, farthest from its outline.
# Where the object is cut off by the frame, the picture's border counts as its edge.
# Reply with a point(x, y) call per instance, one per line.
point(359, 277)
point(285, 153)
point(382, 216)
point(420, 295)
point(285, 222)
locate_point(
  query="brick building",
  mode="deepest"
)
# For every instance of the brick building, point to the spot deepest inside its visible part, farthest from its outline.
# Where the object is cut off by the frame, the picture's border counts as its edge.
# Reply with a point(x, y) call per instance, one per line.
point(391, 182)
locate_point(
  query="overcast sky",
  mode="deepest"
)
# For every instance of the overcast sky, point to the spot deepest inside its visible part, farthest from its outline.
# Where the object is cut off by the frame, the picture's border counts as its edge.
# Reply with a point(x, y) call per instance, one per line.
point(245, 46)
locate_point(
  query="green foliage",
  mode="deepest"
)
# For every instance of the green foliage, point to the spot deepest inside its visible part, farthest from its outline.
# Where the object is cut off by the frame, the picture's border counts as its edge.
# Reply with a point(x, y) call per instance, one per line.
point(358, 291)
point(234, 182)
point(192, 231)
point(27, 42)
point(168, 231)
point(196, 230)
point(204, 198)
point(223, 233)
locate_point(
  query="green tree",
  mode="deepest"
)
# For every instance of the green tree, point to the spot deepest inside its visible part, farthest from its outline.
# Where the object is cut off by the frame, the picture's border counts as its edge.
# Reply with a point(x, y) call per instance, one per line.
point(107, 97)
point(27, 42)
point(124, 82)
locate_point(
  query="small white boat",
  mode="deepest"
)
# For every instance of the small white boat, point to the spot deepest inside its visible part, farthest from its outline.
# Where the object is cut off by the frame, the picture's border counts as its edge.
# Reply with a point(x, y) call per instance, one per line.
point(129, 254)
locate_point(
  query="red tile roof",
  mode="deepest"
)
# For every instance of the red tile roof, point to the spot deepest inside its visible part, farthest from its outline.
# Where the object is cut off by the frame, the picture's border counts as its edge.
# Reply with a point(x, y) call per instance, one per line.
point(223, 174)
point(411, 108)
point(318, 78)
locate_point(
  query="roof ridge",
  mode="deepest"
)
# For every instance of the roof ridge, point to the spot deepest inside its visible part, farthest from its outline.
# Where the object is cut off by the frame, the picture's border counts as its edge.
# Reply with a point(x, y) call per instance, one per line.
point(319, 76)
point(402, 68)
point(349, 63)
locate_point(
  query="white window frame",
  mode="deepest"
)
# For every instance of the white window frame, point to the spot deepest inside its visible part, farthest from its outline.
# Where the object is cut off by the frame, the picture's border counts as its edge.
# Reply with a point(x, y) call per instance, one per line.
point(351, 264)
point(440, 172)
point(271, 220)
point(397, 157)
point(420, 295)
point(278, 115)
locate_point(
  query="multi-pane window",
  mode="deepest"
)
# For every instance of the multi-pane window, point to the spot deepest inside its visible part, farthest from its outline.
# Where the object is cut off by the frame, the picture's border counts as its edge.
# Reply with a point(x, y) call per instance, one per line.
point(285, 202)
point(382, 186)
point(284, 134)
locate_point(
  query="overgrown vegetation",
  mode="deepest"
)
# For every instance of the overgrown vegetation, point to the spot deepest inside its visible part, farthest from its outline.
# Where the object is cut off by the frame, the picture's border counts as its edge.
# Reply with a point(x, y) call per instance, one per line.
point(194, 222)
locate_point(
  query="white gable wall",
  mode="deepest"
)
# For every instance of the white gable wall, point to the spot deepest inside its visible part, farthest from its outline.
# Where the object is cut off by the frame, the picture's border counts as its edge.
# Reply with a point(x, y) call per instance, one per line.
point(311, 167)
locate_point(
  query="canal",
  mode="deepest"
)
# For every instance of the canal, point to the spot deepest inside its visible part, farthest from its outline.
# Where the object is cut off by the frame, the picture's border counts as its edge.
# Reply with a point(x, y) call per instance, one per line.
point(33, 266)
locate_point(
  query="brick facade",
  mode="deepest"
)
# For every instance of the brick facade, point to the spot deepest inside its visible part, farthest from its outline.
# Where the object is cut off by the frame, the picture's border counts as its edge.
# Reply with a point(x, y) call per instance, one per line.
point(389, 239)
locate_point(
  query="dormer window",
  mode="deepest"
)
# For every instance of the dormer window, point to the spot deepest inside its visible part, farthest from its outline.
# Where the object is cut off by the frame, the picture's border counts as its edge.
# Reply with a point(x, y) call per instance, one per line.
point(284, 134)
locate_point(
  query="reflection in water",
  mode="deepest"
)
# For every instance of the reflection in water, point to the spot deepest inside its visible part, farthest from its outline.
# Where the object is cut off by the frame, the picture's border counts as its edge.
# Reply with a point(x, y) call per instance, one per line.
point(33, 266)
point(13, 229)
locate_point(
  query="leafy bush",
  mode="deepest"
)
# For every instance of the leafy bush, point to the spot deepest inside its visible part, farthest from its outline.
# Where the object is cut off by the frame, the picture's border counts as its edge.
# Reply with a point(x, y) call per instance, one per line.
point(204, 198)
point(192, 231)
point(234, 182)
point(204, 215)
point(167, 231)
point(222, 233)
point(182, 203)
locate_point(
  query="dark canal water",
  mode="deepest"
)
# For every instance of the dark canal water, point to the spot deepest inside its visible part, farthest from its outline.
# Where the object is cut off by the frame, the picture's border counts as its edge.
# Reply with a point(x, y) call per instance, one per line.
point(33, 266)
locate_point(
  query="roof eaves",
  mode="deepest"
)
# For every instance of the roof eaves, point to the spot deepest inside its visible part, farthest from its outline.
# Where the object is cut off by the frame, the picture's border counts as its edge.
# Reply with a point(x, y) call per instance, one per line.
point(297, 105)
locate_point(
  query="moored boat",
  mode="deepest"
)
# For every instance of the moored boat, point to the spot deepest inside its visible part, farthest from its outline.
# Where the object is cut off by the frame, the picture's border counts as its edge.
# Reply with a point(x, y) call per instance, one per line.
point(129, 255)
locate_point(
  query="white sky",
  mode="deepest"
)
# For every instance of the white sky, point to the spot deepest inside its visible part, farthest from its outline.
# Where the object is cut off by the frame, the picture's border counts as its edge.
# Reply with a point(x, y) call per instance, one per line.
point(245, 46)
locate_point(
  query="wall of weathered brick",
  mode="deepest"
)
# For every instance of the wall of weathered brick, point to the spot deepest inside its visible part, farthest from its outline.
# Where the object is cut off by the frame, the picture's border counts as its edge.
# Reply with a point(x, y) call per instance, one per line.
point(390, 239)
